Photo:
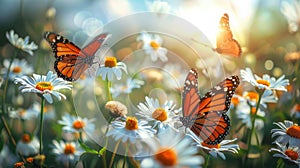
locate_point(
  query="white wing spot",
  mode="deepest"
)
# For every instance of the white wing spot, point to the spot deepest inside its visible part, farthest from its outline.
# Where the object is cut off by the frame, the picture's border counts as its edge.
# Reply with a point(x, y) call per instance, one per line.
point(218, 87)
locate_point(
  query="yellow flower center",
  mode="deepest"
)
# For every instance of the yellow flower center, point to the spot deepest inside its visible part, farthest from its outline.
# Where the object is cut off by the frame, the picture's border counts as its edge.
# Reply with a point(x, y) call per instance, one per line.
point(69, 149)
point(291, 154)
point(160, 114)
point(252, 96)
point(294, 131)
point(44, 86)
point(211, 146)
point(166, 156)
point(78, 124)
point(154, 45)
point(17, 69)
point(131, 123)
point(26, 138)
point(235, 101)
point(263, 82)
point(110, 62)
point(29, 160)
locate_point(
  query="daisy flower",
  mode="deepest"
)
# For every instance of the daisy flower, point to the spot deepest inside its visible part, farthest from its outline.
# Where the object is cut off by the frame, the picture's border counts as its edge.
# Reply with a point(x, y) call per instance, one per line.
point(266, 82)
point(28, 145)
point(131, 84)
point(287, 133)
point(46, 86)
point(216, 150)
point(174, 150)
point(20, 43)
point(252, 98)
point(290, 153)
point(131, 130)
point(292, 13)
point(152, 46)
point(76, 124)
point(18, 68)
point(23, 114)
point(162, 115)
point(110, 68)
point(66, 152)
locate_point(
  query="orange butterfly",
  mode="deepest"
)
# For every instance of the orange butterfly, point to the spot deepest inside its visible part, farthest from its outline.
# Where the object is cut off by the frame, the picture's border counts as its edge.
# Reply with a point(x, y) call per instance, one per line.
point(206, 116)
point(71, 61)
point(225, 43)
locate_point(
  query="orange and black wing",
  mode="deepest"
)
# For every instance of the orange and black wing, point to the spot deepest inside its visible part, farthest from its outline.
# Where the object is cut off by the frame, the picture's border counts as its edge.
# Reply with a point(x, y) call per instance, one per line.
point(71, 61)
point(190, 96)
point(211, 127)
point(219, 97)
point(212, 123)
point(226, 45)
point(207, 117)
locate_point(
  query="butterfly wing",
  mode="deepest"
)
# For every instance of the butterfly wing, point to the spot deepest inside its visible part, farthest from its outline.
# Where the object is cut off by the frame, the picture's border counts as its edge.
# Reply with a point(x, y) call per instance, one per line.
point(87, 55)
point(212, 123)
point(71, 61)
point(219, 97)
point(190, 97)
point(212, 127)
point(225, 43)
point(206, 116)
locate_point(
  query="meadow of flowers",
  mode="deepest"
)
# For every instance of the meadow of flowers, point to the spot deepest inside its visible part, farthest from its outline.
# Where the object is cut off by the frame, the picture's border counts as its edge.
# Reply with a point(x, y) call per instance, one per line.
point(127, 107)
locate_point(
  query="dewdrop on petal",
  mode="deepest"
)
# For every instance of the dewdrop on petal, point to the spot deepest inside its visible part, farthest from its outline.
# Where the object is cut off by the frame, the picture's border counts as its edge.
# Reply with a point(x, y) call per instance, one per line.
point(116, 108)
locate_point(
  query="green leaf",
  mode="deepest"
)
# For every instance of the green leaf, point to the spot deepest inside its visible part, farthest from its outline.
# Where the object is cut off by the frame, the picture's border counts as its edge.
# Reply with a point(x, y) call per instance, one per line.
point(87, 148)
point(102, 150)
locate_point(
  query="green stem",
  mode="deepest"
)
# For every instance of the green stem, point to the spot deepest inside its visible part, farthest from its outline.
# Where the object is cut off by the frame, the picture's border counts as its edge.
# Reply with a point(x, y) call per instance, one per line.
point(13, 141)
point(252, 126)
point(6, 84)
point(280, 163)
point(114, 154)
point(108, 86)
point(106, 142)
point(41, 123)
point(206, 160)
point(125, 155)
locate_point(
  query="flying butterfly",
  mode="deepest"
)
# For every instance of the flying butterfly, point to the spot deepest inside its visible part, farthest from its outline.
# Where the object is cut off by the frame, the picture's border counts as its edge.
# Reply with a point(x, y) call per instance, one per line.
point(71, 61)
point(206, 116)
point(226, 45)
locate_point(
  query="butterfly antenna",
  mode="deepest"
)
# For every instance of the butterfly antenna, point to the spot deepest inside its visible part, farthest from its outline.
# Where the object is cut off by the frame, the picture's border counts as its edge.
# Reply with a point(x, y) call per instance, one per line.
point(203, 44)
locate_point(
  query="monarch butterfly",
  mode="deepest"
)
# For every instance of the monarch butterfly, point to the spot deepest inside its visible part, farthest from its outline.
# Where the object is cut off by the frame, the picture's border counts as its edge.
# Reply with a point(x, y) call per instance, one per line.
point(71, 61)
point(206, 116)
point(225, 43)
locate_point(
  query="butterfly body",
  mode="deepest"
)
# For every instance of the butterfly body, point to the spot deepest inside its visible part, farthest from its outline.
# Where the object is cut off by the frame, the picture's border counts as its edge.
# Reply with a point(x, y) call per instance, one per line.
point(206, 116)
point(71, 61)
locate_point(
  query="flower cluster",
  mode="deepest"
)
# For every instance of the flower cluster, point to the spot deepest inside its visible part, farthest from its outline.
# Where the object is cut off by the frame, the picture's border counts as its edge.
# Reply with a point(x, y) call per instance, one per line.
point(287, 141)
